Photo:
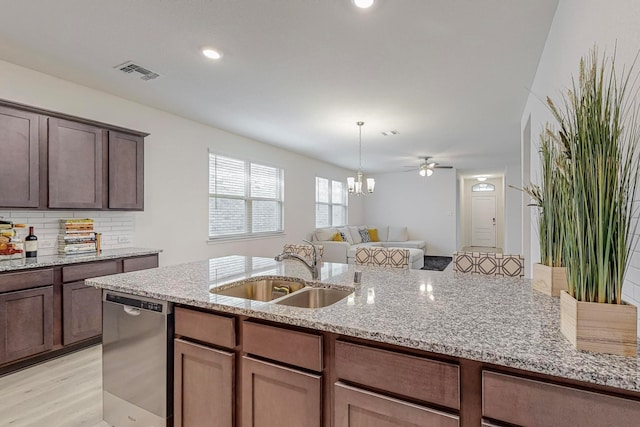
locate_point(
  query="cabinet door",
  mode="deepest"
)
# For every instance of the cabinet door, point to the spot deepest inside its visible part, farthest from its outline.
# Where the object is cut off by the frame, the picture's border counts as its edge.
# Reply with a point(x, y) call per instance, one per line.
point(26, 323)
point(81, 312)
point(273, 395)
point(19, 151)
point(355, 407)
point(75, 165)
point(126, 171)
point(203, 386)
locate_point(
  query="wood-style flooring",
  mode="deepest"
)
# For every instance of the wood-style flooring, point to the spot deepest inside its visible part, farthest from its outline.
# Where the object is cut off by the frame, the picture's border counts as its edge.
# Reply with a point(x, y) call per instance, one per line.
point(64, 392)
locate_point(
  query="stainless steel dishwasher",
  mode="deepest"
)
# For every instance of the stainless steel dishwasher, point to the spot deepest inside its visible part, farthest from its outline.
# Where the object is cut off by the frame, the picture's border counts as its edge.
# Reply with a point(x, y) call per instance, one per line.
point(137, 360)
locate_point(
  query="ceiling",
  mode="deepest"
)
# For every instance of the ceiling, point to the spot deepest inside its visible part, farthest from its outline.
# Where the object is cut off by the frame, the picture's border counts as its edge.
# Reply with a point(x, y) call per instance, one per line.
point(451, 76)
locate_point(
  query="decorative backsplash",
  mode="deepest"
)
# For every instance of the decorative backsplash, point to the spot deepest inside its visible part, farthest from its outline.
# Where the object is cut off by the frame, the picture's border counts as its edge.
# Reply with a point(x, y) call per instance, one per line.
point(117, 228)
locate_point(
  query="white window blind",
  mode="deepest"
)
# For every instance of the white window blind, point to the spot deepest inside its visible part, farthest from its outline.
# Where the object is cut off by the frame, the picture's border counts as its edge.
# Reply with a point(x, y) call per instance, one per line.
point(331, 203)
point(245, 199)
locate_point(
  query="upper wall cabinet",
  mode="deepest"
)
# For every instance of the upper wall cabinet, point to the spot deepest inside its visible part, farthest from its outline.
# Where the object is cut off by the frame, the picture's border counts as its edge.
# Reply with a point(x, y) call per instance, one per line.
point(19, 154)
point(126, 171)
point(75, 165)
point(55, 161)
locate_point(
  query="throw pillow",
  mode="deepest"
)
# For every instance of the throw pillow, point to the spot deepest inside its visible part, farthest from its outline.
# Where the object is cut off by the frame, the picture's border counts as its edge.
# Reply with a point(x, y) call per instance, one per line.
point(347, 235)
point(338, 237)
point(373, 234)
point(364, 235)
point(355, 234)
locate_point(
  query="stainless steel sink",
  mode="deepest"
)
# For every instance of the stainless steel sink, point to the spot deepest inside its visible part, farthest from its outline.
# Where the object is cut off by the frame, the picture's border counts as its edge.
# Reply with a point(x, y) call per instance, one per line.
point(261, 290)
point(314, 297)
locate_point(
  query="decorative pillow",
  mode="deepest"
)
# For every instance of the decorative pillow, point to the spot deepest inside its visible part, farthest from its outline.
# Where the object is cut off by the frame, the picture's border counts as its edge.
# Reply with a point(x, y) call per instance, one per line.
point(338, 237)
point(324, 234)
point(364, 235)
point(398, 234)
point(347, 234)
point(373, 234)
point(355, 234)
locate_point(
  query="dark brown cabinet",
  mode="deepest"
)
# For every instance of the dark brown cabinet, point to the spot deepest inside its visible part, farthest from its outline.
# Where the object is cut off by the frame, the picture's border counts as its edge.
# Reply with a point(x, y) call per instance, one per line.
point(75, 165)
point(82, 312)
point(274, 395)
point(45, 312)
point(19, 151)
point(126, 171)
point(204, 377)
point(26, 323)
point(355, 407)
point(204, 386)
point(52, 160)
point(521, 401)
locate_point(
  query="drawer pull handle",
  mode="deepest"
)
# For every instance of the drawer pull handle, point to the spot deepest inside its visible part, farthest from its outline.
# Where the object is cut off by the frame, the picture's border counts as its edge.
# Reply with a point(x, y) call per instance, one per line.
point(133, 311)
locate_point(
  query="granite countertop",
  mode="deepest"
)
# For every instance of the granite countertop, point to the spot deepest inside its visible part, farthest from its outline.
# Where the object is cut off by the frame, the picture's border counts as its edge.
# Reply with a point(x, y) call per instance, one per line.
point(495, 320)
point(54, 260)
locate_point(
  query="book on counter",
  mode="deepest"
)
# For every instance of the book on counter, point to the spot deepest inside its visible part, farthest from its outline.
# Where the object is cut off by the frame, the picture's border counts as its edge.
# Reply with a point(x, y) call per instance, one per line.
point(77, 236)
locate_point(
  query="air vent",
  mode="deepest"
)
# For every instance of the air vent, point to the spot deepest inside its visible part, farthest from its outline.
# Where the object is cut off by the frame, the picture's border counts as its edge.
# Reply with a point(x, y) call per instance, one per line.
point(390, 132)
point(130, 67)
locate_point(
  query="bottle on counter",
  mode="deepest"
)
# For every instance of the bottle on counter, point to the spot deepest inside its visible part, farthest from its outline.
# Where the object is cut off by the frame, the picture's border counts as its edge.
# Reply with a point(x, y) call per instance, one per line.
point(31, 244)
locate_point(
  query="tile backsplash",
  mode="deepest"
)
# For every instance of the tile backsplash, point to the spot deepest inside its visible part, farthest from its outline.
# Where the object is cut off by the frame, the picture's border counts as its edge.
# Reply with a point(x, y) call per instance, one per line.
point(117, 228)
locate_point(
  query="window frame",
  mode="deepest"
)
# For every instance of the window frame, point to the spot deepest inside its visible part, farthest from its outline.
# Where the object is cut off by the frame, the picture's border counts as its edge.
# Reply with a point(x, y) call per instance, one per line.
point(330, 204)
point(248, 201)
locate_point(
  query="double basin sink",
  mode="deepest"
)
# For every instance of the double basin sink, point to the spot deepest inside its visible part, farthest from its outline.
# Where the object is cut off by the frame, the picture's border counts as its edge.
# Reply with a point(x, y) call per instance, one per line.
point(284, 292)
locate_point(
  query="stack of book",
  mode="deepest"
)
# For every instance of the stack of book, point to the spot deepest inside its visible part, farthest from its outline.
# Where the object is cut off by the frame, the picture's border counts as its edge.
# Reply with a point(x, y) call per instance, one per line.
point(77, 236)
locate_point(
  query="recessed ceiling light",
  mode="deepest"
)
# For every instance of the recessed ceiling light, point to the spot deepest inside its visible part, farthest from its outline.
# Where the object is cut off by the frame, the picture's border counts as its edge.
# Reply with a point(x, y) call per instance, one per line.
point(211, 53)
point(481, 178)
point(363, 4)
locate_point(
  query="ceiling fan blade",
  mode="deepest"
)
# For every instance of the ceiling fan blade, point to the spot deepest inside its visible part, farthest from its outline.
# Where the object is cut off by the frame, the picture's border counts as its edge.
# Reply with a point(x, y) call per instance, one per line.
point(443, 167)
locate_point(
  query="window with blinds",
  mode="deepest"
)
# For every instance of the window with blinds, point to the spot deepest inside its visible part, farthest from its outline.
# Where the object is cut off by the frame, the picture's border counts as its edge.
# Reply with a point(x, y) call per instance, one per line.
point(245, 199)
point(331, 203)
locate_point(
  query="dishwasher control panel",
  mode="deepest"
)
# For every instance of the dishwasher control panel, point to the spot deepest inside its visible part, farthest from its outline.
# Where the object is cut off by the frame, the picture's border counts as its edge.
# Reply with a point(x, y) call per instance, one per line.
point(134, 302)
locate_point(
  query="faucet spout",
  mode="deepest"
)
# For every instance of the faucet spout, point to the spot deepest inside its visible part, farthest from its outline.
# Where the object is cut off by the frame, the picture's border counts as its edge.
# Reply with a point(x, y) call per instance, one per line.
point(313, 266)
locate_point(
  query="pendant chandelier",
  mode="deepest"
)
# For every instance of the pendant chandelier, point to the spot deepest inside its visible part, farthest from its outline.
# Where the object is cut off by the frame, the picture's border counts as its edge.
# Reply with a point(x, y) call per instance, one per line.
point(355, 184)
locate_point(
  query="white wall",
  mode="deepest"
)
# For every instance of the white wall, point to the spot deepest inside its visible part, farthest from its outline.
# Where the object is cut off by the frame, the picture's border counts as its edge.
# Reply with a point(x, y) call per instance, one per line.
point(426, 205)
point(176, 206)
point(513, 210)
point(577, 25)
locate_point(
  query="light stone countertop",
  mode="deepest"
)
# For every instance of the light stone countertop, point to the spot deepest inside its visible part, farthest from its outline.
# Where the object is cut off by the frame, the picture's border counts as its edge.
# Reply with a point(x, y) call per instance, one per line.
point(495, 320)
point(55, 260)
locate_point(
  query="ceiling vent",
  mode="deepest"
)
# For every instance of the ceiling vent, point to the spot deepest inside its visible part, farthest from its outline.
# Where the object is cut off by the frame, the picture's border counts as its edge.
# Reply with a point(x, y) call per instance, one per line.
point(130, 67)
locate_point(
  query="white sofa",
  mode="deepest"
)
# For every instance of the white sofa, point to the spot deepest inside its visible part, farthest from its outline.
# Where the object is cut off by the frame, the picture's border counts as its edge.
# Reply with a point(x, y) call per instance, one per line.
point(389, 236)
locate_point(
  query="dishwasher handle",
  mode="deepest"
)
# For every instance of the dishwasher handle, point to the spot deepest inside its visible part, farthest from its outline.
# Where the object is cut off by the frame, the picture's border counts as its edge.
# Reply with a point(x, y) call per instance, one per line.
point(133, 311)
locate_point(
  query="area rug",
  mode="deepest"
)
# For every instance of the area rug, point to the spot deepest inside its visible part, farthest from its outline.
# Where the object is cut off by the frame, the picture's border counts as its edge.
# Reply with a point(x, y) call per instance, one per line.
point(437, 263)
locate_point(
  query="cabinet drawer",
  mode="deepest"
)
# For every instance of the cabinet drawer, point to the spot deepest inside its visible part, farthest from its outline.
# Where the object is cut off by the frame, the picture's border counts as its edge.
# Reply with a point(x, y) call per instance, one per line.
point(205, 327)
point(30, 279)
point(355, 407)
point(141, 263)
point(283, 345)
point(419, 378)
point(72, 273)
point(534, 403)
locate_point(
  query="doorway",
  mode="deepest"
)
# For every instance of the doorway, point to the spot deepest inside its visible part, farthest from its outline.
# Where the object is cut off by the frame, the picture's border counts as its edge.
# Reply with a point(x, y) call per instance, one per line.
point(483, 221)
point(482, 214)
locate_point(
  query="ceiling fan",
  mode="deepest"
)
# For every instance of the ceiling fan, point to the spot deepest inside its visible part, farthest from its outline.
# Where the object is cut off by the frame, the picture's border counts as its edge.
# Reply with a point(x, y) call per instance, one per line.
point(427, 166)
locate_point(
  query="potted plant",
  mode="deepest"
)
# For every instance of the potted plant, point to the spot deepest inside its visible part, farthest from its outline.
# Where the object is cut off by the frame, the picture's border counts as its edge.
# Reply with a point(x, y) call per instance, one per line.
point(549, 275)
point(599, 136)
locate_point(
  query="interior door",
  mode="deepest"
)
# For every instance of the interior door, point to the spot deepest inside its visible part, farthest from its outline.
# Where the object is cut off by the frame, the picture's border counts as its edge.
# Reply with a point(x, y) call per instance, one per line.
point(483, 221)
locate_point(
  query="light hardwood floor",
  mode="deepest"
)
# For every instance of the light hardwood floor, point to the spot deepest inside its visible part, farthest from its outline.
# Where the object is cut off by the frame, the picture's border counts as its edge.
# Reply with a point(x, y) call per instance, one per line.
point(64, 392)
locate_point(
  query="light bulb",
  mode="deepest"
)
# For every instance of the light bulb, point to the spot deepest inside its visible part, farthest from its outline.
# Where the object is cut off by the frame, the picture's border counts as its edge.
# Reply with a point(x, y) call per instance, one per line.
point(211, 53)
point(429, 172)
point(363, 4)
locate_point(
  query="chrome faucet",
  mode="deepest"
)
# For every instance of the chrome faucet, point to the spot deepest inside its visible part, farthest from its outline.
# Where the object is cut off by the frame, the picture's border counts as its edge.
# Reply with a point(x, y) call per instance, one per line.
point(313, 266)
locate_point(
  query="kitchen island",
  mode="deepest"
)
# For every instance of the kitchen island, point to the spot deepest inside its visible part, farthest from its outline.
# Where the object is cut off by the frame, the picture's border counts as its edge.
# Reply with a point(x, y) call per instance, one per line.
point(502, 338)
